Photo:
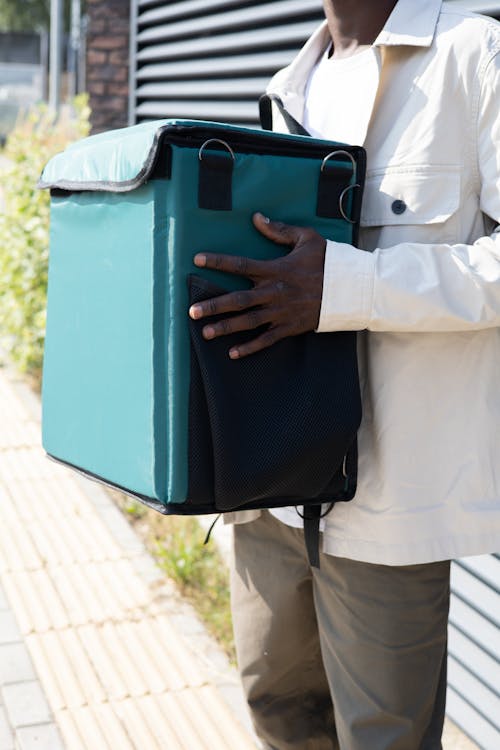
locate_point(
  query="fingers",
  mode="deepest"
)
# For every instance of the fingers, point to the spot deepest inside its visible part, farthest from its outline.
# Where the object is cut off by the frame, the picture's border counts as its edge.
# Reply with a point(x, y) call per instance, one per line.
point(265, 340)
point(233, 302)
point(247, 322)
point(277, 231)
point(238, 265)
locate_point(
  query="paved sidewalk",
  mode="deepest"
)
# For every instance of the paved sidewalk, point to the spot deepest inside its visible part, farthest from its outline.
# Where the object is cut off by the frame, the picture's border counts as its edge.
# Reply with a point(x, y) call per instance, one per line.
point(97, 652)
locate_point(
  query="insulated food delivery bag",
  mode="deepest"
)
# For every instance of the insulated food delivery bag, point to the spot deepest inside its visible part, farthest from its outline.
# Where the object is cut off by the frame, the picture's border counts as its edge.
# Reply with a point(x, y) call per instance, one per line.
point(132, 393)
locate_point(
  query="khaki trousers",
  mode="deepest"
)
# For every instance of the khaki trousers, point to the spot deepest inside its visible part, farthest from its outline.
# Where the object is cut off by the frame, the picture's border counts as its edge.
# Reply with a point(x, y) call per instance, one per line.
point(348, 657)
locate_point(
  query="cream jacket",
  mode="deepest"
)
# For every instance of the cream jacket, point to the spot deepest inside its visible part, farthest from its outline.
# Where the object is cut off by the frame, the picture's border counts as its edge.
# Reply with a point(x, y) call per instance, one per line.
point(426, 294)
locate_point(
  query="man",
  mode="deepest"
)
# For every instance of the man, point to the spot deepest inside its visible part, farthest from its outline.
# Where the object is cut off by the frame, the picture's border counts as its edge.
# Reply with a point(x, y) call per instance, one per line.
point(353, 656)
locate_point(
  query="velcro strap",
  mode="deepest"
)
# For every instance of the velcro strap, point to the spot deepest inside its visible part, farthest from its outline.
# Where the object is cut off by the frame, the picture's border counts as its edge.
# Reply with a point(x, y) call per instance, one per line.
point(333, 180)
point(215, 181)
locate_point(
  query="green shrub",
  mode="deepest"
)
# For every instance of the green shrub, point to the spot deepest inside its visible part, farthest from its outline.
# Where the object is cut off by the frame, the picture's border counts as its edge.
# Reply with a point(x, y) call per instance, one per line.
point(24, 228)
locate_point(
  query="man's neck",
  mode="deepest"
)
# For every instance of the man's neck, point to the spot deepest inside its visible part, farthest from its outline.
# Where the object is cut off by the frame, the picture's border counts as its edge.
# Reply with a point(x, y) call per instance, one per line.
point(355, 24)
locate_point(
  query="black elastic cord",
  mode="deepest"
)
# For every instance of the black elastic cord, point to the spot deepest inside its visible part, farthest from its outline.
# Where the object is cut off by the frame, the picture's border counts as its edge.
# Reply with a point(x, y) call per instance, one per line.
point(207, 538)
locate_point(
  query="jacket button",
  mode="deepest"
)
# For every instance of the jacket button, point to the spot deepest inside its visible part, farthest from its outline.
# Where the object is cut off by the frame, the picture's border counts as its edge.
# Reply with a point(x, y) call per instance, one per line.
point(398, 207)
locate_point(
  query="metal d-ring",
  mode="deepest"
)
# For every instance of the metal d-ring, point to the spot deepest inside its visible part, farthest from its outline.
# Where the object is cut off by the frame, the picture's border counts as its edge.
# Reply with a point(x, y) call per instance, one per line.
point(341, 201)
point(336, 153)
point(215, 140)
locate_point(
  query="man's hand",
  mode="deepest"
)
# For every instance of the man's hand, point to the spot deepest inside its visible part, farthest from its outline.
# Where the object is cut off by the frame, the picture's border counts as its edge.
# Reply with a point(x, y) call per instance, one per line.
point(286, 295)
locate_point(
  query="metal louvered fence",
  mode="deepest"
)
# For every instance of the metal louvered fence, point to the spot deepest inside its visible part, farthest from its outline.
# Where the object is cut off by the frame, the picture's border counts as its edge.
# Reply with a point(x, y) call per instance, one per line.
point(212, 60)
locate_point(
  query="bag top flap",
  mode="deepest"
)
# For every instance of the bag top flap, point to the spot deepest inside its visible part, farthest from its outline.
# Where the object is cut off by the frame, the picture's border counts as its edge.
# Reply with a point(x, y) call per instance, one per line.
point(115, 161)
point(121, 160)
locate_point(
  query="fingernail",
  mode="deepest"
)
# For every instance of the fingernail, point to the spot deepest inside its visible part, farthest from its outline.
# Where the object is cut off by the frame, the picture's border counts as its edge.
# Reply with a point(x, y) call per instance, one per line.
point(200, 260)
point(195, 312)
point(266, 219)
point(234, 353)
point(208, 332)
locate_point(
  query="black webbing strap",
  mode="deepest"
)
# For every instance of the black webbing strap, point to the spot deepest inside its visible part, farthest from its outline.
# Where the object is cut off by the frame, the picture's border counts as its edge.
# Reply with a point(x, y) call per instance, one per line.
point(312, 515)
point(266, 115)
point(215, 181)
point(333, 181)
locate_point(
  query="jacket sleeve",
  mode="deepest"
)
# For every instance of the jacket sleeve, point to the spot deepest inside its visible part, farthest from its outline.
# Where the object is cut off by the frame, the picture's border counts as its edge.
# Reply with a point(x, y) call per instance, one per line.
point(426, 287)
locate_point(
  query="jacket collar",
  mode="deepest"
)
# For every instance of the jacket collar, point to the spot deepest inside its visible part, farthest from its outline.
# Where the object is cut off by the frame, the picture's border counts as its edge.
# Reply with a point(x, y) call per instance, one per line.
point(411, 23)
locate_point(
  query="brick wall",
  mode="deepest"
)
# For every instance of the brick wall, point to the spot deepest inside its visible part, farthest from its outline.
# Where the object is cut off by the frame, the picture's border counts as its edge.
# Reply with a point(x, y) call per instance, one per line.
point(107, 62)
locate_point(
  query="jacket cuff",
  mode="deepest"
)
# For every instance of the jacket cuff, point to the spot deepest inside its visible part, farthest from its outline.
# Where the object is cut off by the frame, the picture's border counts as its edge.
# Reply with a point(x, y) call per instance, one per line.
point(346, 303)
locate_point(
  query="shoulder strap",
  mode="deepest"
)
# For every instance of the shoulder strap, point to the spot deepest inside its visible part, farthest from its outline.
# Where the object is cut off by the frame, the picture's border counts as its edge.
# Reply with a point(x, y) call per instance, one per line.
point(266, 115)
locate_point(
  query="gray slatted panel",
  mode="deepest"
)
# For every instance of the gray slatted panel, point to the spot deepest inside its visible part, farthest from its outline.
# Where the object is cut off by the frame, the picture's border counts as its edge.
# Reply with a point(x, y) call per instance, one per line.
point(257, 40)
point(235, 20)
point(226, 67)
point(474, 649)
point(210, 59)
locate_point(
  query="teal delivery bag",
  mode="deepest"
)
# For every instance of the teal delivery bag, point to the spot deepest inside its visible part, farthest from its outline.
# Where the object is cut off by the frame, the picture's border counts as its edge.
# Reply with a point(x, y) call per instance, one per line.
point(132, 393)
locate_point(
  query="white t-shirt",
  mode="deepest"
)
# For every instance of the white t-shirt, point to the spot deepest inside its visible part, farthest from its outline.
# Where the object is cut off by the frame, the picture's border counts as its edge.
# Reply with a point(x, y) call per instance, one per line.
point(340, 95)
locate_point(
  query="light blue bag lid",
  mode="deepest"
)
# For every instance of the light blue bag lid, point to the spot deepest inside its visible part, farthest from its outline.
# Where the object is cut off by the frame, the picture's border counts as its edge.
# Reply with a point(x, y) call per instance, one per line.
point(113, 161)
point(121, 160)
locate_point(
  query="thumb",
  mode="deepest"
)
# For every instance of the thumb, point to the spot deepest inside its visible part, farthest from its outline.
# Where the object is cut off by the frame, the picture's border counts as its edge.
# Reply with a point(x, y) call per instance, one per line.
point(277, 231)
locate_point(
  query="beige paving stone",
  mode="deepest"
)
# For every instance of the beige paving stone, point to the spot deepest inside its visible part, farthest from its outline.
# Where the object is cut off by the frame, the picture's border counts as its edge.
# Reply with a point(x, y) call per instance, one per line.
point(11, 404)
point(173, 661)
point(81, 600)
point(110, 635)
point(54, 541)
point(24, 463)
point(206, 723)
point(8, 507)
point(142, 654)
point(49, 679)
point(142, 733)
point(17, 434)
point(51, 497)
point(191, 729)
point(35, 601)
point(103, 663)
point(65, 669)
point(112, 727)
point(131, 593)
point(17, 551)
point(117, 580)
point(206, 700)
point(186, 727)
point(159, 725)
point(54, 606)
point(99, 591)
point(69, 730)
point(174, 651)
point(81, 730)
point(66, 539)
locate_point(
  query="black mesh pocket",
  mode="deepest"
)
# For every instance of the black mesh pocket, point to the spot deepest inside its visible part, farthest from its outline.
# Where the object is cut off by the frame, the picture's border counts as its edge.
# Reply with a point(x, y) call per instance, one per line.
point(276, 428)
